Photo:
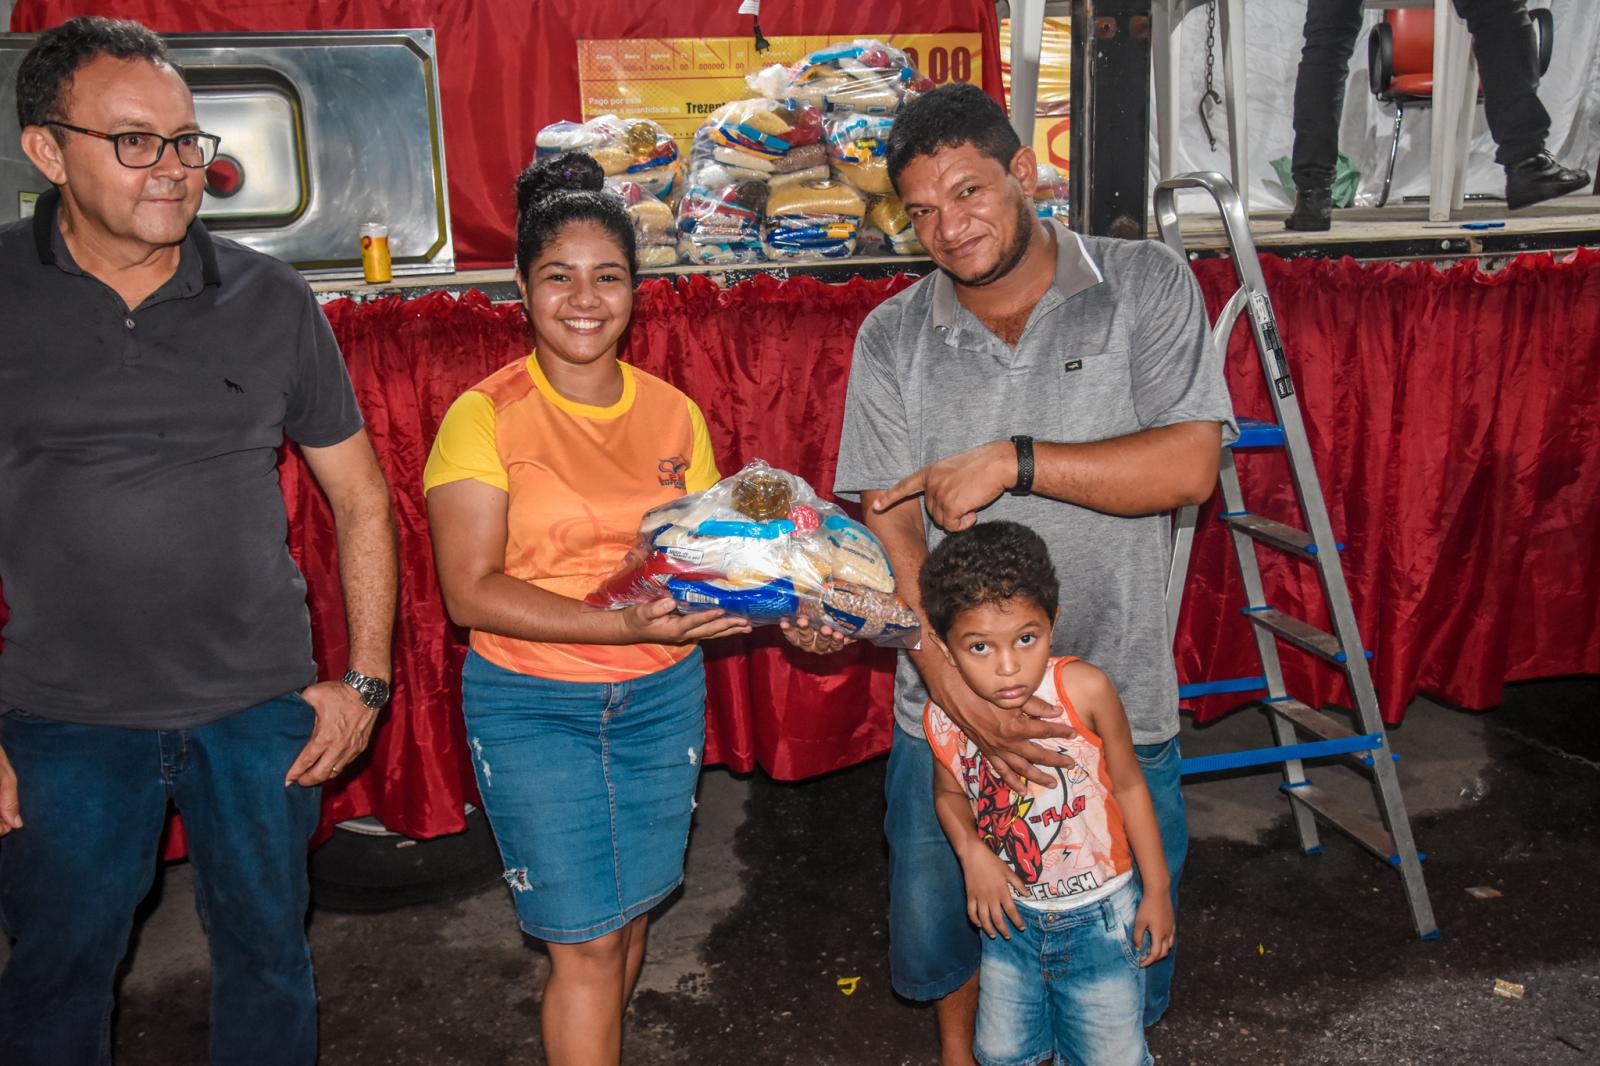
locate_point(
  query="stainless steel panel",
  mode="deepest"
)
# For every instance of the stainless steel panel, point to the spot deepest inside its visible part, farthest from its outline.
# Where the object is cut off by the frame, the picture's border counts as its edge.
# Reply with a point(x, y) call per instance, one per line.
point(329, 130)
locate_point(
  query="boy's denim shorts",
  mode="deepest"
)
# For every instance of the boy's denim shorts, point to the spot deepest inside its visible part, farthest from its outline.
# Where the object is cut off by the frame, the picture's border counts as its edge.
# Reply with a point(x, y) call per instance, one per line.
point(1068, 985)
point(589, 789)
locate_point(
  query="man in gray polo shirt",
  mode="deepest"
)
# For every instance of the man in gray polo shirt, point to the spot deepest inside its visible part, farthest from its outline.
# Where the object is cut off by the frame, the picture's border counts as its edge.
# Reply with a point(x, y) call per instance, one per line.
point(1063, 382)
point(158, 646)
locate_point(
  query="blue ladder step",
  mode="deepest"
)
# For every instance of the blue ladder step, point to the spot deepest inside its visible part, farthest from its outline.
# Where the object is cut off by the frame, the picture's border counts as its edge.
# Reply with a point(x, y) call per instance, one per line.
point(1233, 760)
point(1214, 688)
point(1254, 433)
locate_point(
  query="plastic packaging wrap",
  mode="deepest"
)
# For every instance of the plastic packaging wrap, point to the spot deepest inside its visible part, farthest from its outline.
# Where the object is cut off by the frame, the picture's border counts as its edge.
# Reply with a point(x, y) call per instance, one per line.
point(655, 227)
point(1050, 195)
point(719, 218)
point(857, 145)
point(813, 220)
point(864, 76)
point(757, 134)
point(763, 546)
point(634, 149)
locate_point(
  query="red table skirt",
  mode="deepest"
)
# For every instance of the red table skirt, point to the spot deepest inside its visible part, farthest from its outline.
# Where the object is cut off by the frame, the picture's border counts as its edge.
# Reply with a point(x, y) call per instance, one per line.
point(1454, 416)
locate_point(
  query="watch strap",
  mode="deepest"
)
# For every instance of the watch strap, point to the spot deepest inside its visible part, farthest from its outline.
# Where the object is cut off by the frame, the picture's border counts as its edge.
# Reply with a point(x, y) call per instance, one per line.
point(1024, 446)
point(374, 691)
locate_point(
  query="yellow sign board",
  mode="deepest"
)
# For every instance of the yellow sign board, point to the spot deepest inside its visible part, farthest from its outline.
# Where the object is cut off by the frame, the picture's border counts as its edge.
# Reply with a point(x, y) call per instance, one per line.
point(679, 81)
point(1052, 130)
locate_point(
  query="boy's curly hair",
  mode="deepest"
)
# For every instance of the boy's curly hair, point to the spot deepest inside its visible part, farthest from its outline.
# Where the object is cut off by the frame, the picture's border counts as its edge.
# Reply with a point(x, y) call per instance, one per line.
point(991, 563)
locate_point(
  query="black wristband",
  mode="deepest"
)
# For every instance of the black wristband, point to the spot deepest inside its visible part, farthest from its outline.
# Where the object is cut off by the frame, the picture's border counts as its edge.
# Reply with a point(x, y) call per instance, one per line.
point(1024, 485)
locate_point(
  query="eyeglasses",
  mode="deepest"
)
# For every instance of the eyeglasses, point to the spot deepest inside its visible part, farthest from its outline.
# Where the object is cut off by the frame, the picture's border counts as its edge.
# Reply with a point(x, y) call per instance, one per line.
point(140, 150)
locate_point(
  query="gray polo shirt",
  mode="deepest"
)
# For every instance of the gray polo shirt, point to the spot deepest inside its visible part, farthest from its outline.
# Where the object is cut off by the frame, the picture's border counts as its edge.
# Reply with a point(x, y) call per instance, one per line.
point(1119, 344)
point(142, 530)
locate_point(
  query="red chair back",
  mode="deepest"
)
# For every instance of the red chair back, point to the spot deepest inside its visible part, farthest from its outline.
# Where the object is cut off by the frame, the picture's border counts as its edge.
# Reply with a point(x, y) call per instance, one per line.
point(1413, 49)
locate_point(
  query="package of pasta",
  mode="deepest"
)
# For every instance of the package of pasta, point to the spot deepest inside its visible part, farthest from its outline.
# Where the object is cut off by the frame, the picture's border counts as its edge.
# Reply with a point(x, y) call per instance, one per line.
point(761, 545)
point(863, 76)
point(636, 149)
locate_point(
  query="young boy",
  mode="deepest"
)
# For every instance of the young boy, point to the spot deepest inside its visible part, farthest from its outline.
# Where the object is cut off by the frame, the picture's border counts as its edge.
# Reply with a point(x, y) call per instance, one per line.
point(1055, 863)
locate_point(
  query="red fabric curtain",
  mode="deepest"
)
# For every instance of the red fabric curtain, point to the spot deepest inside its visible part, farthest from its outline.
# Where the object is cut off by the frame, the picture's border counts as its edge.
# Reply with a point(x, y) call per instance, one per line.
point(1455, 420)
point(509, 67)
point(1454, 416)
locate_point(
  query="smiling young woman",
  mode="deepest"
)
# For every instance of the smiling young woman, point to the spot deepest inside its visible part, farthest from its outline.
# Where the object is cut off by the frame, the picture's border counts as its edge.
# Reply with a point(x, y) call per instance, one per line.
point(586, 726)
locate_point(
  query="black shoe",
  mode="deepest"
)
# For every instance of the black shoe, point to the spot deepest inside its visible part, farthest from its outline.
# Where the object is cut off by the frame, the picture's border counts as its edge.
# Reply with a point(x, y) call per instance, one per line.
point(1540, 178)
point(1313, 210)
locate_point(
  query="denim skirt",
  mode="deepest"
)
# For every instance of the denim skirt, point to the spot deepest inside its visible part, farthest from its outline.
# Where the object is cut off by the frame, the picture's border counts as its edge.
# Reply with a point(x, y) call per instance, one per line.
point(589, 788)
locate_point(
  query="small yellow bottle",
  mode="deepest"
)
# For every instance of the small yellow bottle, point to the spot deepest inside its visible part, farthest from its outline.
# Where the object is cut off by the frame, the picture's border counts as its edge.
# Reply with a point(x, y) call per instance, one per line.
point(375, 264)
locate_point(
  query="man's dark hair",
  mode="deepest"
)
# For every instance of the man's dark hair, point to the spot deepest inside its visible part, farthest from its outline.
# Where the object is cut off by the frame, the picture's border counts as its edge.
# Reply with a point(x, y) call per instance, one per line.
point(47, 70)
point(951, 115)
point(991, 563)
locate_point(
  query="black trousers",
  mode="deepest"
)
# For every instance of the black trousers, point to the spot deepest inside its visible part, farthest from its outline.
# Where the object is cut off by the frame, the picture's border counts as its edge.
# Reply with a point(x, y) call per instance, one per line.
point(1502, 41)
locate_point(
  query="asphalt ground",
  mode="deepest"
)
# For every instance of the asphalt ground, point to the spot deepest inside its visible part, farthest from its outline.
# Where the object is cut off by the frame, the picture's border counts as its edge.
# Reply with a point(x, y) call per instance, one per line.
point(775, 950)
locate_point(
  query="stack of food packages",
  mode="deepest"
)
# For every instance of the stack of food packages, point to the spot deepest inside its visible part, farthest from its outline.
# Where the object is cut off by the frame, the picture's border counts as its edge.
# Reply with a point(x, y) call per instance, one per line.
point(860, 88)
point(1050, 194)
point(798, 171)
point(642, 168)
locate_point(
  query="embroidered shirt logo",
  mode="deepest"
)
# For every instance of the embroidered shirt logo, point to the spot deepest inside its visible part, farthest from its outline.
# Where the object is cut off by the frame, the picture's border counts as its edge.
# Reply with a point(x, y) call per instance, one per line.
point(671, 471)
point(1071, 365)
point(233, 386)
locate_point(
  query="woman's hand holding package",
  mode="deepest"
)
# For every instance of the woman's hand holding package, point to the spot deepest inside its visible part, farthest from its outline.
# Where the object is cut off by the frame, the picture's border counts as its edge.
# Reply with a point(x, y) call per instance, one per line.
point(658, 622)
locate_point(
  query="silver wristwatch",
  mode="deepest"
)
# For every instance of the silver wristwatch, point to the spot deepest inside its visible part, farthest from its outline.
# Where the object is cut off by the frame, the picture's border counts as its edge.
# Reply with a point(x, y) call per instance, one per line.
point(374, 691)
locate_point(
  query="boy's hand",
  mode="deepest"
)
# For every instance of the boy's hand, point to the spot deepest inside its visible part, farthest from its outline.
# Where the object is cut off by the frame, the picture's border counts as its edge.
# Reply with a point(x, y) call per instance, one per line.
point(1154, 917)
point(989, 900)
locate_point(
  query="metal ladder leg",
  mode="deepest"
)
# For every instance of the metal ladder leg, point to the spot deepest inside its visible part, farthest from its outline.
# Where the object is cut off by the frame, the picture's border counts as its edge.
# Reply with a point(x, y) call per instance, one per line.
point(1392, 840)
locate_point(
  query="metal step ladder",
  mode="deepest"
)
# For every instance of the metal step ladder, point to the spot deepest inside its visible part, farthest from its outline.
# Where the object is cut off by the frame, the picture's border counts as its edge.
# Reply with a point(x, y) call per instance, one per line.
point(1301, 732)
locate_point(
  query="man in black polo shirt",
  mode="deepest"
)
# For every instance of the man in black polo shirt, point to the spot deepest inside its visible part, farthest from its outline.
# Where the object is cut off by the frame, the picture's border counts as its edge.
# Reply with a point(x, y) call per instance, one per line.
point(158, 646)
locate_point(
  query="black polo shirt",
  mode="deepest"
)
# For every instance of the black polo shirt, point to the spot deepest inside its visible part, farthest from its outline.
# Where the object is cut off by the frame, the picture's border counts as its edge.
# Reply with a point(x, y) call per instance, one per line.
point(143, 549)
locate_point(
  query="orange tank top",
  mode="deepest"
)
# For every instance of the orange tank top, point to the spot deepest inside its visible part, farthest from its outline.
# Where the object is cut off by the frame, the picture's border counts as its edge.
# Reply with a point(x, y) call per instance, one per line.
point(1065, 839)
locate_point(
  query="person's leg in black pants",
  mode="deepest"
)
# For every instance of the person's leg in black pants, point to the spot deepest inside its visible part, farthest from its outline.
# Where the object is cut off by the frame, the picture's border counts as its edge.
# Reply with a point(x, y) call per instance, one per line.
point(1503, 42)
point(1331, 29)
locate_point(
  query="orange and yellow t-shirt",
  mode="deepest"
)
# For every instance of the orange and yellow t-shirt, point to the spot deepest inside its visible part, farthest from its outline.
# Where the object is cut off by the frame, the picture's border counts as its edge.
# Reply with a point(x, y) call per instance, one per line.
point(579, 478)
point(1066, 839)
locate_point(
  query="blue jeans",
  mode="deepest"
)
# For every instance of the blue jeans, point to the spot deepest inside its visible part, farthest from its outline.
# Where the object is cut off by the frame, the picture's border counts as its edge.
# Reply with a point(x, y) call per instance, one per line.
point(1162, 765)
point(94, 800)
point(589, 788)
point(1066, 984)
point(933, 949)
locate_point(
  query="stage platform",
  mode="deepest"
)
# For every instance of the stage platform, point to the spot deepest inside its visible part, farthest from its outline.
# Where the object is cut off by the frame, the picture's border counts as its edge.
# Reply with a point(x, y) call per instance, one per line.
point(1483, 229)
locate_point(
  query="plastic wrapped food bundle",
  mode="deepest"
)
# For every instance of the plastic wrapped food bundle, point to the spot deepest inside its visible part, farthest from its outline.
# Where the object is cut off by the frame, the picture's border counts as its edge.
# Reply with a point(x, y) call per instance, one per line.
point(813, 220)
point(655, 227)
point(763, 546)
point(887, 216)
point(857, 145)
point(1050, 195)
point(757, 134)
point(719, 219)
point(864, 76)
point(637, 148)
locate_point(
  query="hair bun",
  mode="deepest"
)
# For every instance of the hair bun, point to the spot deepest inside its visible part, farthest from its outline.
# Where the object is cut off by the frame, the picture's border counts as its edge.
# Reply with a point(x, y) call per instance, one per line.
point(567, 172)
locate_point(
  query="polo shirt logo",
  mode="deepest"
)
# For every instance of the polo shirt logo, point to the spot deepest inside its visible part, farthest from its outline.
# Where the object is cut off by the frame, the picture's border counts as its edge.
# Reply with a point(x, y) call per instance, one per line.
point(233, 386)
point(1071, 365)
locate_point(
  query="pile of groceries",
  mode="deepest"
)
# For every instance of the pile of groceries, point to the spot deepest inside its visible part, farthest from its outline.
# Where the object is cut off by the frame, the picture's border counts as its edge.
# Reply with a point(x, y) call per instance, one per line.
point(796, 172)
